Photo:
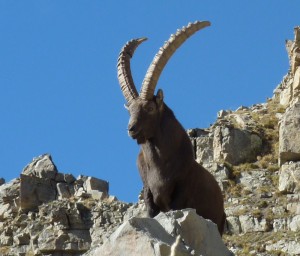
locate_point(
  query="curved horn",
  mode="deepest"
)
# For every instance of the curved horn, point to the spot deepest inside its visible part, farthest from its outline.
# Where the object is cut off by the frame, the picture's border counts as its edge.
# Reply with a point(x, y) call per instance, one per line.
point(164, 54)
point(124, 71)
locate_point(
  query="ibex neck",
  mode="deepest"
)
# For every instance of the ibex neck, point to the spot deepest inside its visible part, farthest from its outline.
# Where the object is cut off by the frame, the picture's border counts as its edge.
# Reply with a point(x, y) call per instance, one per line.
point(169, 135)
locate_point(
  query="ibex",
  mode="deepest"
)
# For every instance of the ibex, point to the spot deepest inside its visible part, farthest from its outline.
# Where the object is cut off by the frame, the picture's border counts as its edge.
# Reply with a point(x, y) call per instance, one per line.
point(171, 177)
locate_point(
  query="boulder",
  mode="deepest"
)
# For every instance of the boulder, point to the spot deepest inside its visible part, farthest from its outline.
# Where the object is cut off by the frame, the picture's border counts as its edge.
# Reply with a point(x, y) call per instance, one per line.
point(34, 191)
point(63, 190)
point(204, 149)
point(286, 94)
point(234, 225)
point(289, 178)
point(285, 246)
point(92, 183)
point(296, 83)
point(220, 172)
point(51, 241)
point(295, 223)
point(252, 224)
point(235, 146)
point(68, 178)
point(174, 233)
point(41, 167)
point(289, 139)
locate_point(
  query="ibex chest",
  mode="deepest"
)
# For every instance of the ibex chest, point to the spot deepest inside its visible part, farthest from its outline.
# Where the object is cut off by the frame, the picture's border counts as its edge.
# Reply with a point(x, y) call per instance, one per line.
point(160, 167)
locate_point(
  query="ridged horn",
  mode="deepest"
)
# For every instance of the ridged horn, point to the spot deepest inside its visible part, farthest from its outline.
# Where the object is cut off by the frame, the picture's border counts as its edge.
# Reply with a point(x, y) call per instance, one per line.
point(124, 71)
point(164, 54)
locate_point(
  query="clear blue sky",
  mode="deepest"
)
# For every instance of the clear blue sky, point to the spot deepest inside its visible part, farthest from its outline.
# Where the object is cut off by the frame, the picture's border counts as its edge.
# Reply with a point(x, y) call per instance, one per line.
point(60, 93)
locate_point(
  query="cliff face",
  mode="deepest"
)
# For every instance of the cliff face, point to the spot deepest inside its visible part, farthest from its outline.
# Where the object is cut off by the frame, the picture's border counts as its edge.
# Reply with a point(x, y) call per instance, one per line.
point(254, 153)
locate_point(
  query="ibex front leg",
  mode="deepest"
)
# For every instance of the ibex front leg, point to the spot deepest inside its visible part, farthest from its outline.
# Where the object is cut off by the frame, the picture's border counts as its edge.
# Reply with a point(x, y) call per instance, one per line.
point(152, 208)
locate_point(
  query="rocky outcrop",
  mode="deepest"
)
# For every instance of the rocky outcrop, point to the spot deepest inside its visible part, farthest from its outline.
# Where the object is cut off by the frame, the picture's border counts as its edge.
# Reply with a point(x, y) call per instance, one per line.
point(262, 204)
point(288, 90)
point(289, 178)
point(254, 154)
point(288, 93)
point(225, 142)
point(289, 142)
point(45, 212)
point(40, 182)
point(157, 237)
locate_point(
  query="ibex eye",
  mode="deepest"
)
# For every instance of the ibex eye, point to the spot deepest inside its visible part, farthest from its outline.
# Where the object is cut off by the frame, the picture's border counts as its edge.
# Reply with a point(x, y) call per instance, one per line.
point(150, 109)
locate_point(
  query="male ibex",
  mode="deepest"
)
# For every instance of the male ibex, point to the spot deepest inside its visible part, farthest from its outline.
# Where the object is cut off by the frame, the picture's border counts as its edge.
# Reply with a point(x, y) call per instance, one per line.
point(172, 178)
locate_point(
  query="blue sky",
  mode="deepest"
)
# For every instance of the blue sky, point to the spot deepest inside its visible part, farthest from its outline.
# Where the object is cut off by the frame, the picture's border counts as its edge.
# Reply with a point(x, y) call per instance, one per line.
point(60, 93)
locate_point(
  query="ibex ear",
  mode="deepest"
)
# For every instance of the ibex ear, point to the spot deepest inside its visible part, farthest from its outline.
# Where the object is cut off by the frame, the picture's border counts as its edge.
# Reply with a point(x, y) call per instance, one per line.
point(159, 98)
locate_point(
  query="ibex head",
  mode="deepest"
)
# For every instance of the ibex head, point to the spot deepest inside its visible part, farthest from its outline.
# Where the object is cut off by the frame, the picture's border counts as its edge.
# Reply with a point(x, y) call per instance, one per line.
point(145, 108)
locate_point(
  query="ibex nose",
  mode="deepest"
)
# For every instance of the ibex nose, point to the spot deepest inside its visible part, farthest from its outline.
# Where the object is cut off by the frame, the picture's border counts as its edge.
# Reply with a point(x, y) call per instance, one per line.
point(131, 128)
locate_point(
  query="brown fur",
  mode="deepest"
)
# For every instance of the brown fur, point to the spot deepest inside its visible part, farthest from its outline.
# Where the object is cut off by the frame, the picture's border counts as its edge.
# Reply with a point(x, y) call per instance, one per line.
point(172, 178)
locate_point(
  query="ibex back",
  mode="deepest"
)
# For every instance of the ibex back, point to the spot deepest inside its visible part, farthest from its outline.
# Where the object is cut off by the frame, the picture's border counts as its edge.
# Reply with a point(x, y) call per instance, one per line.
point(172, 178)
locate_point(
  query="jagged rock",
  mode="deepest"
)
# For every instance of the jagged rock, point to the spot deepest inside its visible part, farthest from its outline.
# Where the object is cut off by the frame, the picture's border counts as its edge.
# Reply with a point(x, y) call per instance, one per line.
point(92, 183)
point(296, 83)
point(34, 191)
point(289, 139)
point(9, 191)
point(234, 224)
point(146, 236)
point(6, 240)
point(220, 172)
point(81, 193)
point(255, 179)
point(22, 239)
point(51, 240)
point(204, 149)
point(5, 211)
point(64, 178)
point(252, 224)
point(295, 51)
point(223, 113)
point(69, 178)
point(242, 120)
point(137, 237)
point(63, 190)
point(41, 167)
point(106, 218)
point(280, 225)
point(199, 235)
point(295, 223)
point(77, 215)
point(235, 145)
point(97, 195)
point(286, 92)
point(293, 205)
point(2, 181)
point(241, 108)
point(290, 247)
point(289, 178)
point(136, 210)
point(227, 143)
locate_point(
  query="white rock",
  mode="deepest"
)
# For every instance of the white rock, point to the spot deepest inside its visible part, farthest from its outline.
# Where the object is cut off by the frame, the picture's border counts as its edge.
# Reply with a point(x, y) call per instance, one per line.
point(234, 225)
point(156, 237)
point(252, 224)
point(295, 223)
point(289, 139)
point(289, 178)
point(92, 183)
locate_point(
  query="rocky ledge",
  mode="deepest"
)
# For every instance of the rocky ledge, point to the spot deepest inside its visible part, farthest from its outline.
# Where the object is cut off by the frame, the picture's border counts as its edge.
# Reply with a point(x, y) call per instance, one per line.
point(45, 212)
